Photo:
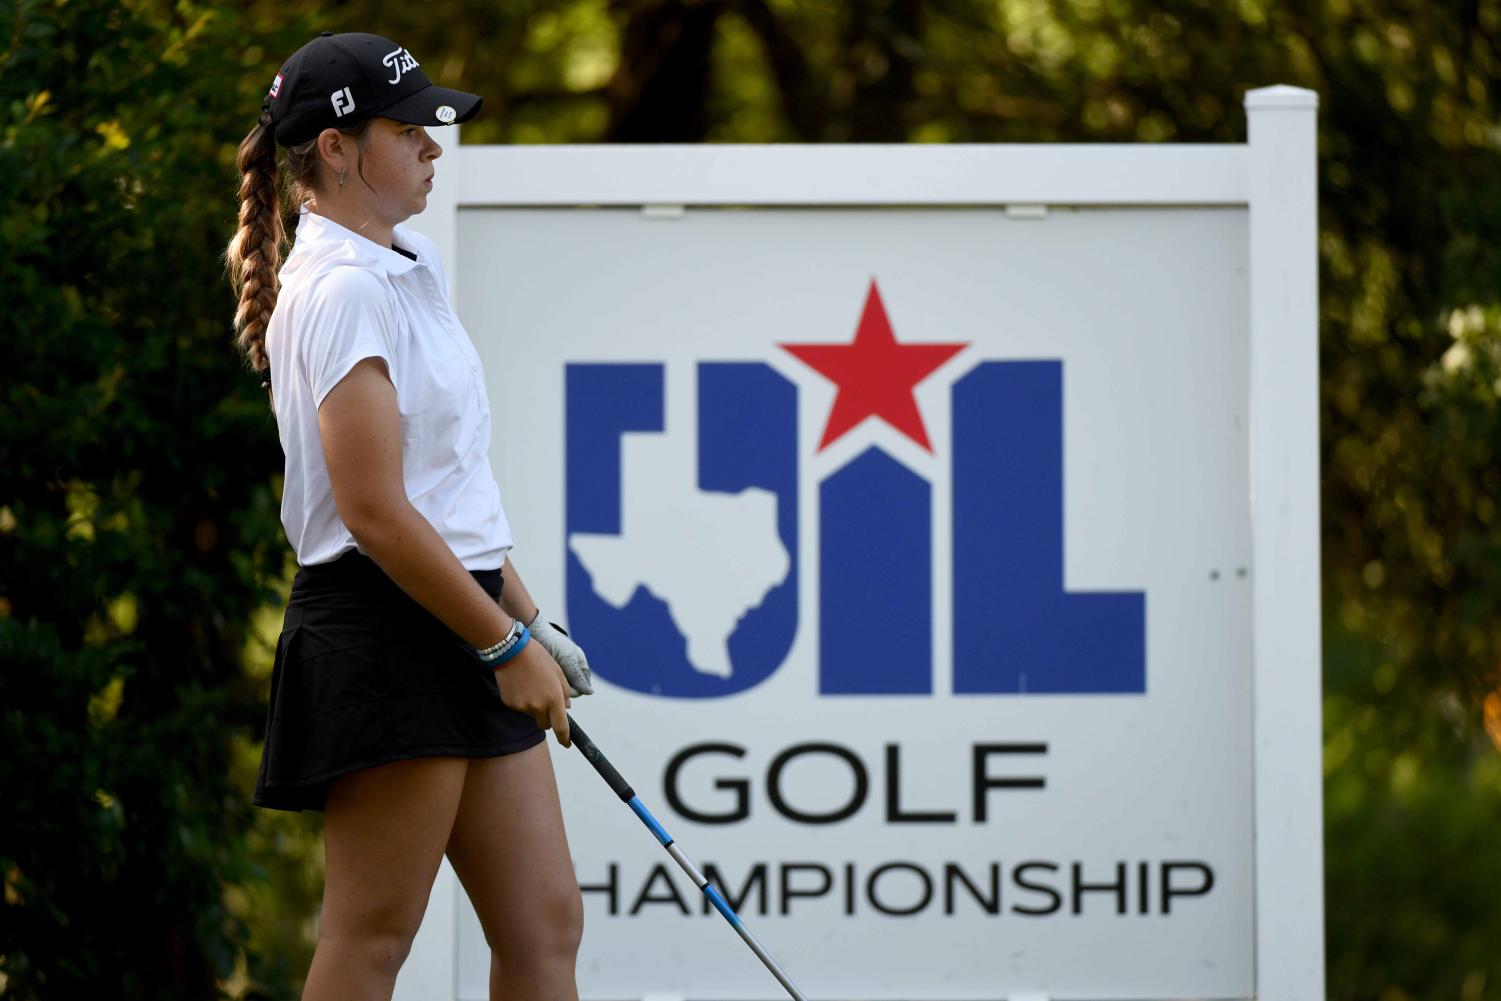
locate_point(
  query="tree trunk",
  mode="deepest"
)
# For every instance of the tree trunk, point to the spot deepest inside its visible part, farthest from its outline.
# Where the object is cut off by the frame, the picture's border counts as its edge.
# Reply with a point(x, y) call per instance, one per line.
point(882, 47)
point(660, 90)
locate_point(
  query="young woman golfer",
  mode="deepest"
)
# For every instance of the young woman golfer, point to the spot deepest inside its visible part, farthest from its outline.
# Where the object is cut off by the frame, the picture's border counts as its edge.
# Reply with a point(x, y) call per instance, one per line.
point(414, 677)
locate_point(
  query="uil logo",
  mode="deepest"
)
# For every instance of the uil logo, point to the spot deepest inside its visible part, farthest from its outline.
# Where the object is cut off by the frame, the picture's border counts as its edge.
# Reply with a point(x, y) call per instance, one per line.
point(687, 586)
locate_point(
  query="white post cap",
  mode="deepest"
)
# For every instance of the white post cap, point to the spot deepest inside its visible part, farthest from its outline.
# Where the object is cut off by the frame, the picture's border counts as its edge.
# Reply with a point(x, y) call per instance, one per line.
point(1282, 97)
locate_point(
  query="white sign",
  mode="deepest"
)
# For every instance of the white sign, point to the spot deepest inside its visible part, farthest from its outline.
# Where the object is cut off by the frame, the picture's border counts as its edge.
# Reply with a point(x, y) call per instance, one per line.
point(915, 553)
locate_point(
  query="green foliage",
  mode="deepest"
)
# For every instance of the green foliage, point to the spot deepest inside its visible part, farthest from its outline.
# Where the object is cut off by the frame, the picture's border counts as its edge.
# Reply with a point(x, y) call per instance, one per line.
point(139, 545)
point(1413, 803)
point(139, 524)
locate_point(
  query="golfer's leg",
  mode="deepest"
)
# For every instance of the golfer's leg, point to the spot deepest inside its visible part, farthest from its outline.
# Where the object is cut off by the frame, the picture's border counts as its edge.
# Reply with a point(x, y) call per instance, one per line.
point(510, 853)
point(384, 832)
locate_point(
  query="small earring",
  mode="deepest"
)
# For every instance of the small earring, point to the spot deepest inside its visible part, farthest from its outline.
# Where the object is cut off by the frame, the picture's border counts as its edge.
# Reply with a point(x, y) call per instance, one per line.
point(341, 182)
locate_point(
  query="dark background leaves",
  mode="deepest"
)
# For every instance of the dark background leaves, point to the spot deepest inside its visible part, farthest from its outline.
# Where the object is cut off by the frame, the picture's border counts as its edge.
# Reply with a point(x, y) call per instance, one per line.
point(143, 566)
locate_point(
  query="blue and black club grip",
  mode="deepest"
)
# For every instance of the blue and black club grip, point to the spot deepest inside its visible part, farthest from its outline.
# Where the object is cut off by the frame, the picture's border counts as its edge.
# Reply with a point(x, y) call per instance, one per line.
point(596, 757)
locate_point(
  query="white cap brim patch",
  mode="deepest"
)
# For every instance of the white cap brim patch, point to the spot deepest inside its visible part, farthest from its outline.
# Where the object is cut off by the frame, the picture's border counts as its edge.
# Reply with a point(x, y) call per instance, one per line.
point(445, 114)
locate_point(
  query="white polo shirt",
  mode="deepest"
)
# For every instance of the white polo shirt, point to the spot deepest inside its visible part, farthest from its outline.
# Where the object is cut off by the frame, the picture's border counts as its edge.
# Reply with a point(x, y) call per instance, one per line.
point(344, 298)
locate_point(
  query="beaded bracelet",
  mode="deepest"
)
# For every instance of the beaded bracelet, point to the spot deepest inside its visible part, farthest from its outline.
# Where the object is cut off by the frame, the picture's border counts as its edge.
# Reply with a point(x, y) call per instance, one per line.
point(505, 641)
point(508, 648)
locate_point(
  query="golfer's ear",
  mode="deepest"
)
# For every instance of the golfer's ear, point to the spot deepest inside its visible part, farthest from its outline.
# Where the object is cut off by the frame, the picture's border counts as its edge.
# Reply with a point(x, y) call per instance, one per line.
point(334, 150)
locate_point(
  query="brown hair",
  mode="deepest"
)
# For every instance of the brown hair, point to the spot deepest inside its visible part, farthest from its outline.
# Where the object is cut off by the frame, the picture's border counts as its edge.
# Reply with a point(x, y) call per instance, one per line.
point(253, 257)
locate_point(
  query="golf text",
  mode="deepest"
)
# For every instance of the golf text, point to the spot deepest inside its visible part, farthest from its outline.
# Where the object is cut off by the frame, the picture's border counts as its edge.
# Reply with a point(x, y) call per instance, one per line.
point(711, 783)
point(733, 796)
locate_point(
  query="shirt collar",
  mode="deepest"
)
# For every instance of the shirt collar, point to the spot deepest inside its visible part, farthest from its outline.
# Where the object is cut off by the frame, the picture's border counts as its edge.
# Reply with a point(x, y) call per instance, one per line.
point(314, 230)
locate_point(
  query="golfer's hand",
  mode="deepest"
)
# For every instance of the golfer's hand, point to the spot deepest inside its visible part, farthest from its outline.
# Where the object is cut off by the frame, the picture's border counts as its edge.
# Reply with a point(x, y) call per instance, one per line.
point(531, 682)
point(566, 652)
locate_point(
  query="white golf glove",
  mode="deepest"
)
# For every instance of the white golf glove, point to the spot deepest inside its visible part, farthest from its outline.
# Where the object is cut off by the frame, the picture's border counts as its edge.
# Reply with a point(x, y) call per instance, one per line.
point(566, 652)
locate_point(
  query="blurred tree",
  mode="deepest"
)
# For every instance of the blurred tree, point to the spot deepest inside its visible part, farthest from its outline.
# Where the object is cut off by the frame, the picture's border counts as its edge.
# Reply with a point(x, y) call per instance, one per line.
point(136, 537)
point(138, 526)
point(660, 89)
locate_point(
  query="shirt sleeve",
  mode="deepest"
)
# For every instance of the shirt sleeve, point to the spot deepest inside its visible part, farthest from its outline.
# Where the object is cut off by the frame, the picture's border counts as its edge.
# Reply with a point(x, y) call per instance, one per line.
point(350, 318)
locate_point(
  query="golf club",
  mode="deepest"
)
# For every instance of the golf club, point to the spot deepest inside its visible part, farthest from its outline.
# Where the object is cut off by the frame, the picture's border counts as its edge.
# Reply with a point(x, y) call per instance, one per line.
point(607, 771)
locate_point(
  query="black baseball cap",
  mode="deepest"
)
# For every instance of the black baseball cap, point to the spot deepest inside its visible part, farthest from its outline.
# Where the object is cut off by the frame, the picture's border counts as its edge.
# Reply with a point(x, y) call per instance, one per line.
point(337, 80)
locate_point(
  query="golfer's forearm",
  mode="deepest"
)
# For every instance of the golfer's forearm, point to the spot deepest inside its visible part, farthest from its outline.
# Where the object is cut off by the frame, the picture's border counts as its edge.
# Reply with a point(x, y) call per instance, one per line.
point(411, 552)
point(514, 597)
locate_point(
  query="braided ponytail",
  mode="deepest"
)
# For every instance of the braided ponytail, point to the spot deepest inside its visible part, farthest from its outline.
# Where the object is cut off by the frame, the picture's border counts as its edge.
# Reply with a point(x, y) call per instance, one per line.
point(253, 257)
point(254, 253)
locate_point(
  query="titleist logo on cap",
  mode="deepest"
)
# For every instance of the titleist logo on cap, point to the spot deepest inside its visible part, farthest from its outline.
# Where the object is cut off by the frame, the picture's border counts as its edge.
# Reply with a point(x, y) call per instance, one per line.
point(398, 62)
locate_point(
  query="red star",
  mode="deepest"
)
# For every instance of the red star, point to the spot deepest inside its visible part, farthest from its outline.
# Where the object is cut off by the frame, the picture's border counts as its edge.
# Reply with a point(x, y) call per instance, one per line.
point(876, 375)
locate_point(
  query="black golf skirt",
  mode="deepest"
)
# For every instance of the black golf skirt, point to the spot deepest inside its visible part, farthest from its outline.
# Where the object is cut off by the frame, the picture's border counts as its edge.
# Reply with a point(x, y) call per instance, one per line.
point(364, 675)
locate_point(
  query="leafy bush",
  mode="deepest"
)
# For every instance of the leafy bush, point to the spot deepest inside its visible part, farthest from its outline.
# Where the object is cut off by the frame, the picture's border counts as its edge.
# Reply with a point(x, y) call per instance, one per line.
point(139, 525)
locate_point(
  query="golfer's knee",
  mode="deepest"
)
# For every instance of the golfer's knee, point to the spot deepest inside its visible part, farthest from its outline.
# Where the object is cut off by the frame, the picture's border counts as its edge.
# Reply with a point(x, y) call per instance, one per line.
point(570, 921)
point(380, 938)
point(554, 927)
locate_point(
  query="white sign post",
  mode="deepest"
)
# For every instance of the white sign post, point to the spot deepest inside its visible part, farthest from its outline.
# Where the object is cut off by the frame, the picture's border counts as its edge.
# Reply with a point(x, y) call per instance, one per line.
point(942, 524)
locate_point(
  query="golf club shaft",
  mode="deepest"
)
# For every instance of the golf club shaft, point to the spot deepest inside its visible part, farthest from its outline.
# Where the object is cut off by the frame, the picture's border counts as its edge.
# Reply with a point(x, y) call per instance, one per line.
point(595, 757)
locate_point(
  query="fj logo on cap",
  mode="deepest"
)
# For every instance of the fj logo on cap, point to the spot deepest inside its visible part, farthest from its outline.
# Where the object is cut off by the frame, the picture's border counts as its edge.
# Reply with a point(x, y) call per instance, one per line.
point(445, 114)
point(399, 62)
point(276, 85)
point(343, 102)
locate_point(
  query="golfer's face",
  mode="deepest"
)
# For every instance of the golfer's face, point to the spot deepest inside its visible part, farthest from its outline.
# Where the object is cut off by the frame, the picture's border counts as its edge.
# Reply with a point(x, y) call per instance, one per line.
point(399, 166)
